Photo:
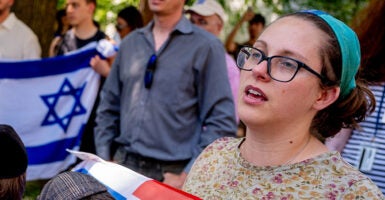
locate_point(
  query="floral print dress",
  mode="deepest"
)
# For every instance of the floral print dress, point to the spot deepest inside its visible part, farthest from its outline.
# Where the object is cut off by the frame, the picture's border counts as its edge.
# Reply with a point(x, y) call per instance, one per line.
point(221, 173)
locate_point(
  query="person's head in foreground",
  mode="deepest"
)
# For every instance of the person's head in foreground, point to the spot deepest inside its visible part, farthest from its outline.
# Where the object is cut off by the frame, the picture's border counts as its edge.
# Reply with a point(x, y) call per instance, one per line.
point(13, 165)
point(297, 87)
point(74, 186)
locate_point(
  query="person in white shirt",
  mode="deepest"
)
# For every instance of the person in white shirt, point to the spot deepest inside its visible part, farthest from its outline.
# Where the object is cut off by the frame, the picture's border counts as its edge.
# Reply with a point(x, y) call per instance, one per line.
point(18, 41)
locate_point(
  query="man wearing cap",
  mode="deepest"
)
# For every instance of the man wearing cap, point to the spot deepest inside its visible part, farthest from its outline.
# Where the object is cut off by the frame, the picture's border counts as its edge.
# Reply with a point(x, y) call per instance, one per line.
point(210, 16)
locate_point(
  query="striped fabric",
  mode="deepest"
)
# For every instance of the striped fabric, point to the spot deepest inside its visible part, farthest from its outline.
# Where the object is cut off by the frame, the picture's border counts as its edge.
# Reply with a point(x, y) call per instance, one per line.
point(372, 135)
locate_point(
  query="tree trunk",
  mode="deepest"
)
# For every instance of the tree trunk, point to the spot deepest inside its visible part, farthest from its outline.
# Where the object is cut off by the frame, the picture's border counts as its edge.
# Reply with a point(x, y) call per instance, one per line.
point(145, 11)
point(39, 15)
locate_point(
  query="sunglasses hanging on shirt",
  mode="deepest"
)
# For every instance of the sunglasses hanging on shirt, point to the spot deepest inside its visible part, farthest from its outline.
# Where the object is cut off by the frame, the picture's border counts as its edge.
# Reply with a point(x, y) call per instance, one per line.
point(150, 70)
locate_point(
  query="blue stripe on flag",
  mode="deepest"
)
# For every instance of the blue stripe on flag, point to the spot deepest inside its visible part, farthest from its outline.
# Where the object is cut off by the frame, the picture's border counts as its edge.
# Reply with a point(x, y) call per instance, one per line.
point(54, 151)
point(115, 194)
point(46, 67)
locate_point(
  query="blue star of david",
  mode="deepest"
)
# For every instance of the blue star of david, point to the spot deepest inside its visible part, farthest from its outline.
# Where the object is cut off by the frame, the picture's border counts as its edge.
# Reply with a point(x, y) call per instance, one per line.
point(51, 100)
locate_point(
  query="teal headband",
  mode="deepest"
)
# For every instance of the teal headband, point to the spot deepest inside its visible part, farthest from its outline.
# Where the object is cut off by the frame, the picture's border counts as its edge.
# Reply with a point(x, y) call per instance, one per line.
point(350, 50)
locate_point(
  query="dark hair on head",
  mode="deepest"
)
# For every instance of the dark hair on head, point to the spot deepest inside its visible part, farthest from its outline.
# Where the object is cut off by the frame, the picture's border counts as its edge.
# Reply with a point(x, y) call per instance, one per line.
point(60, 26)
point(59, 14)
point(371, 34)
point(12, 188)
point(345, 112)
point(258, 18)
point(132, 16)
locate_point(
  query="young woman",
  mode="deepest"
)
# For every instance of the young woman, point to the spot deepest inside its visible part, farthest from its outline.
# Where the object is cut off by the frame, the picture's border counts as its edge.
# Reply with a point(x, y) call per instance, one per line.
point(128, 20)
point(62, 27)
point(297, 87)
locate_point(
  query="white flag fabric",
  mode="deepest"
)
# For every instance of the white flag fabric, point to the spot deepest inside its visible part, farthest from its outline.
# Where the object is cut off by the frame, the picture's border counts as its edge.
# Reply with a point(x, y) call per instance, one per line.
point(48, 103)
point(123, 183)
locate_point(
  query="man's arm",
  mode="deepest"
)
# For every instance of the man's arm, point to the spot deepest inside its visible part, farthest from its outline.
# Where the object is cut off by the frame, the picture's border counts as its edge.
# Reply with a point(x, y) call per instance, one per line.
point(108, 113)
point(216, 103)
point(216, 106)
point(230, 44)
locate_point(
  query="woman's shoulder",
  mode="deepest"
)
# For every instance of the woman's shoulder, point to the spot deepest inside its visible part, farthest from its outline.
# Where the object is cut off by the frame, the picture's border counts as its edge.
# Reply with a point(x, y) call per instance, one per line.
point(228, 143)
point(334, 171)
point(359, 183)
point(222, 146)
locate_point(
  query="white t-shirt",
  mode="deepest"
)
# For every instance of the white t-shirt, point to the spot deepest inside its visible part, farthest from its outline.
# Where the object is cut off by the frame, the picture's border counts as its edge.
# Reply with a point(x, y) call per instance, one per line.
point(17, 40)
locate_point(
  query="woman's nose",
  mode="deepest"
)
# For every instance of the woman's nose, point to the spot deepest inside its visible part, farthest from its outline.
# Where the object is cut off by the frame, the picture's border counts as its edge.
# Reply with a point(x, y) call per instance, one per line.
point(260, 71)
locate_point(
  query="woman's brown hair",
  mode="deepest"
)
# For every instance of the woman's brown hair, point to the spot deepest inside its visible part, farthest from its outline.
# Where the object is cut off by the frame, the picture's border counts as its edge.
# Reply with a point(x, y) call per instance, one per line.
point(12, 188)
point(345, 112)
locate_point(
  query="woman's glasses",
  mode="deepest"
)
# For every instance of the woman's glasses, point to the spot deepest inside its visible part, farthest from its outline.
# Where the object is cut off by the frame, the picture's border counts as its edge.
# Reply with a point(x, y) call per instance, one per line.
point(150, 70)
point(279, 68)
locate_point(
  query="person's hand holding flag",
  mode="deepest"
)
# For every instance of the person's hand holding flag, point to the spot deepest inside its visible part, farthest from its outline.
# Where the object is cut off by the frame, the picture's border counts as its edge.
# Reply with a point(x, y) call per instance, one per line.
point(102, 63)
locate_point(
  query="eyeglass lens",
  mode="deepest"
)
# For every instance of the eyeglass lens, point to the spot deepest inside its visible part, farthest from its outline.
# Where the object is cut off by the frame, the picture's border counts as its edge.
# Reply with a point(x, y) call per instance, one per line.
point(279, 68)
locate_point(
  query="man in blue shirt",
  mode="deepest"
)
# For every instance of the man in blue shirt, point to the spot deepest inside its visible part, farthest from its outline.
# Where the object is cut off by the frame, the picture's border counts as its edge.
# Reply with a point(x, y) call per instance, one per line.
point(167, 97)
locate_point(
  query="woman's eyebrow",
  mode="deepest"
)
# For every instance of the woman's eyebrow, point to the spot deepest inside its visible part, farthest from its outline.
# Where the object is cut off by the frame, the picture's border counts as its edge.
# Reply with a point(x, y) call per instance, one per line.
point(260, 42)
point(286, 52)
point(281, 52)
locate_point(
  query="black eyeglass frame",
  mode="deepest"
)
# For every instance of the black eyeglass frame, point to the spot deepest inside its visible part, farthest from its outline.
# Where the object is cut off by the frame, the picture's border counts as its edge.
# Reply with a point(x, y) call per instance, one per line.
point(268, 59)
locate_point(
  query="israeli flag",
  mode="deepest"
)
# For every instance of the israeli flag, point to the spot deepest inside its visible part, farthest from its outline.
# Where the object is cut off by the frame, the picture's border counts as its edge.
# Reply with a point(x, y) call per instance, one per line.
point(48, 102)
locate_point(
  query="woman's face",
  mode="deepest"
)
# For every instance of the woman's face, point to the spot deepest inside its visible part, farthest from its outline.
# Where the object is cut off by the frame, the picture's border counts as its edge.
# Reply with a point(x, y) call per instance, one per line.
point(122, 27)
point(264, 101)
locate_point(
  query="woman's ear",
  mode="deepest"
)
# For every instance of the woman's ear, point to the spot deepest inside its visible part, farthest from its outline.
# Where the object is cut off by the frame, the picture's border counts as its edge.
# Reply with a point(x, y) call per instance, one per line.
point(327, 97)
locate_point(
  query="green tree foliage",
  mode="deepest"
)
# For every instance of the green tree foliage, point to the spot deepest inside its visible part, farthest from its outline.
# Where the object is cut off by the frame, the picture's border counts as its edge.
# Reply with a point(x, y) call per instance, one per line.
point(341, 9)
